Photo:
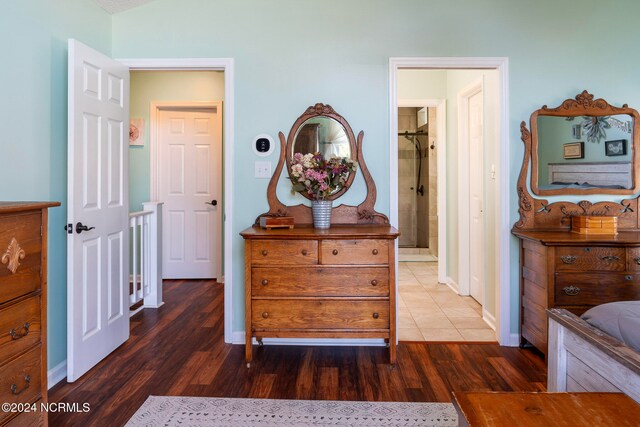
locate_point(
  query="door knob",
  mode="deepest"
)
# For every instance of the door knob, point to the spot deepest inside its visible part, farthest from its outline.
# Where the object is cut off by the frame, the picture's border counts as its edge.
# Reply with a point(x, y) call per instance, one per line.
point(212, 203)
point(80, 228)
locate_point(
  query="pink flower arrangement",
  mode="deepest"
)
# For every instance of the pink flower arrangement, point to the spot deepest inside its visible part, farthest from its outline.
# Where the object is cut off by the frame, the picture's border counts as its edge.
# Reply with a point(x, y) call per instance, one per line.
point(317, 177)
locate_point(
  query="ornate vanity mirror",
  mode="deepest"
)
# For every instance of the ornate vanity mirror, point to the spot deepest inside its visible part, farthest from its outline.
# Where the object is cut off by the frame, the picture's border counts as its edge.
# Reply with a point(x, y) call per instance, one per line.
point(585, 146)
point(321, 129)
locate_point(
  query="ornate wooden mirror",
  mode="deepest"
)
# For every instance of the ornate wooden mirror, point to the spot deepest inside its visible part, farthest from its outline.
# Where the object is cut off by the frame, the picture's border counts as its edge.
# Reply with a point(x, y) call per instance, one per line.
point(584, 146)
point(321, 129)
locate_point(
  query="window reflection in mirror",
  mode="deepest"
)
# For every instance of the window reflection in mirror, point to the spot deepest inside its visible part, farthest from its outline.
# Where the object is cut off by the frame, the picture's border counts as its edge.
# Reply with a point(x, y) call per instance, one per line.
point(585, 152)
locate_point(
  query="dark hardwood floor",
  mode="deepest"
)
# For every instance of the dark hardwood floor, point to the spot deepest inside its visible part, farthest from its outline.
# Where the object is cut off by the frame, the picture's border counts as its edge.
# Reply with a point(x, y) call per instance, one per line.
point(179, 349)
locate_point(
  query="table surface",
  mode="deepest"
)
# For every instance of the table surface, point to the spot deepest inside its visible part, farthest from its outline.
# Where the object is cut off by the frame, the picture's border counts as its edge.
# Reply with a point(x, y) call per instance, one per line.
point(546, 409)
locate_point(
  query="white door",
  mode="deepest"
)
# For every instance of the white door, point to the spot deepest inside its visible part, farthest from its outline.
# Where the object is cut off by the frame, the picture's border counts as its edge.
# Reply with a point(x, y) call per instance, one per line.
point(189, 142)
point(476, 227)
point(97, 258)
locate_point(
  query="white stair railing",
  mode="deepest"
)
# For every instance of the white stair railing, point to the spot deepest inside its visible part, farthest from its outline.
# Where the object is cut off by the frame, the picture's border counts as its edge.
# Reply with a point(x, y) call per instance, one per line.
point(145, 229)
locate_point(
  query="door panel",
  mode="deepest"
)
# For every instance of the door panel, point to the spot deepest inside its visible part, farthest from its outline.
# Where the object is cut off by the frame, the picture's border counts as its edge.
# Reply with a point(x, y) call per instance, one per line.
point(476, 238)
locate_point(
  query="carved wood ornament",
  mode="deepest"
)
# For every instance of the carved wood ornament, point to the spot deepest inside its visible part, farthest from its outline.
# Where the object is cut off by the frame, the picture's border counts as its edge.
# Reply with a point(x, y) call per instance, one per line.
point(13, 255)
point(539, 214)
point(364, 213)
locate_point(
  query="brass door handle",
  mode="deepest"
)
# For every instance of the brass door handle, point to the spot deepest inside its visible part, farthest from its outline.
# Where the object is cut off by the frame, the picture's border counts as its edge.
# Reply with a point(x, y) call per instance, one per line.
point(569, 259)
point(27, 382)
point(610, 258)
point(16, 335)
point(571, 290)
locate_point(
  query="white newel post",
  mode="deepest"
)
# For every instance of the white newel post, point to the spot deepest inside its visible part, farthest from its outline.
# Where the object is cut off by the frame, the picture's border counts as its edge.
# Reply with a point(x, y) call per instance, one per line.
point(154, 298)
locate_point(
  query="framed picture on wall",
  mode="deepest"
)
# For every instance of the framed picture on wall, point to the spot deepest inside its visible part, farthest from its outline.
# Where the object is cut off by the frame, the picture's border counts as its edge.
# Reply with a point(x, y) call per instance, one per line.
point(617, 147)
point(573, 150)
point(136, 132)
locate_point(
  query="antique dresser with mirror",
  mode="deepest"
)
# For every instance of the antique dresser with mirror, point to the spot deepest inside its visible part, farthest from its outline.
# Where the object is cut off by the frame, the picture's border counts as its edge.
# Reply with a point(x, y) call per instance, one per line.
point(321, 283)
point(583, 147)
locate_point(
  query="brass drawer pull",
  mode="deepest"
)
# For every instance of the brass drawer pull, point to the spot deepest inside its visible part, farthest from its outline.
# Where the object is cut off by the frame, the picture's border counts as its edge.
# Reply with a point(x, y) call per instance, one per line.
point(376, 315)
point(304, 252)
point(375, 252)
point(571, 290)
point(265, 315)
point(637, 260)
point(335, 252)
point(15, 335)
point(265, 282)
point(264, 252)
point(14, 387)
point(610, 258)
point(569, 259)
point(374, 282)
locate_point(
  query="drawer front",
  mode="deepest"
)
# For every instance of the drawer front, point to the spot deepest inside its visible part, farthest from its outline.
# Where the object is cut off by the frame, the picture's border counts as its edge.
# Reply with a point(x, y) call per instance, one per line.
point(275, 252)
point(29, 419)
point(595, 288)
point(319, 314)
point(20, 257)
point(320, 282)
point(20, 380)
point(590, 258)
point(19, 327)
point(633, 259)
point(353, 252)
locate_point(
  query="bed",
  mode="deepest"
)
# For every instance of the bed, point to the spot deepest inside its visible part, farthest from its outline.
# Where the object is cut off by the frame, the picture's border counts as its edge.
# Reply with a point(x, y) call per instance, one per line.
point(587, 175)
point(583, 358)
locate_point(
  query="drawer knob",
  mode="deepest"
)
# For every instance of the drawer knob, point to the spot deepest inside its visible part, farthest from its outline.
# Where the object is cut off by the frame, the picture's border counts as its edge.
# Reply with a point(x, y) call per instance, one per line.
point(17, 335)
point(374, 282)
point(375, 252)
point(265, 315)
point(264, 252)
point(376, 315)
point(569, 259)
point(304, 252)
point(637, 260)
point(571, 290)
point(628, 277)
point(335, 252)
point(610, 258)
point(587, 249)
point(27, 382)
point(265, 282)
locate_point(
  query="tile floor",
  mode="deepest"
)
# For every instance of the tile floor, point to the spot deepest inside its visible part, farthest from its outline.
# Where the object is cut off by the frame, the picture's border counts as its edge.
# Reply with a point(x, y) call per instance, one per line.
point(429, 311)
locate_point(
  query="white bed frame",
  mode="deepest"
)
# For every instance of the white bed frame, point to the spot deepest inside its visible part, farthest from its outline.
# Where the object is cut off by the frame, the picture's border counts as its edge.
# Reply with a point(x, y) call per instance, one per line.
point(595, 173)
point(584, 359)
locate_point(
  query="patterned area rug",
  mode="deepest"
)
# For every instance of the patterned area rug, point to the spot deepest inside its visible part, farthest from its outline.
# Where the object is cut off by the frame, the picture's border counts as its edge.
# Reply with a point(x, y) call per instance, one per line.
point(209, 411)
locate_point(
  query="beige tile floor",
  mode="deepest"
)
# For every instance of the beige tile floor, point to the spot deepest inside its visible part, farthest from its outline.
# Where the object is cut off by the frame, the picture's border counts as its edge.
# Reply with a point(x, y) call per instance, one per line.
point(429, 311)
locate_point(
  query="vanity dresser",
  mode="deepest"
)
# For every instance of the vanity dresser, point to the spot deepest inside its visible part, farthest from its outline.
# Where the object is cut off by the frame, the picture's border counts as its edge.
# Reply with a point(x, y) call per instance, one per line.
point(336, 283)
point(560, 268)
point(23, 309)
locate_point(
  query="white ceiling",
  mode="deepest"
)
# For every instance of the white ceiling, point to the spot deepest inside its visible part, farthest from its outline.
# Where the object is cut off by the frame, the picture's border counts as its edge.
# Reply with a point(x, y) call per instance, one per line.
point(115, 6)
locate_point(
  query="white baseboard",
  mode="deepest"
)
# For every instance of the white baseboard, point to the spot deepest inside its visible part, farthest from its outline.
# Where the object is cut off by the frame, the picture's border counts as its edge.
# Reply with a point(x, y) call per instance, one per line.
point(220, 280)
point(452, 284)
point(513, 341)
point(57, 374)
point(489, 319)
point(238, 338)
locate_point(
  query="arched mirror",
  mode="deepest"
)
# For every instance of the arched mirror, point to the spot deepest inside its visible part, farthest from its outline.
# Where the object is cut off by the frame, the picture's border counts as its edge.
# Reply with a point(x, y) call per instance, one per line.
point(321, 130)
point(585, 146)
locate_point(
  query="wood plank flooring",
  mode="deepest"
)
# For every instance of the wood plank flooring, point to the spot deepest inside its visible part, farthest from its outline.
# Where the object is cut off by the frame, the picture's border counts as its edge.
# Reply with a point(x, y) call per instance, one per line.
point(179, 349)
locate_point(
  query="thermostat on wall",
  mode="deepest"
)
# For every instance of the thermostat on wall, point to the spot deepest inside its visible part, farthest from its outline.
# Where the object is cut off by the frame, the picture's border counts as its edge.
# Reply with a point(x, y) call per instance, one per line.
point(263, 145)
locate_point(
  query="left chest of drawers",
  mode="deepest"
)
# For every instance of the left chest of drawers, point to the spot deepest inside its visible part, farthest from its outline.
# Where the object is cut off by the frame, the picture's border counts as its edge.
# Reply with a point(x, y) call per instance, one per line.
point(22, 310)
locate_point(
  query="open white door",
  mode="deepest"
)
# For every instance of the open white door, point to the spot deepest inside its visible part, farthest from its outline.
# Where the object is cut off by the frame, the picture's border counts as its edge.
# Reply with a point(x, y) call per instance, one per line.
point(98, 201)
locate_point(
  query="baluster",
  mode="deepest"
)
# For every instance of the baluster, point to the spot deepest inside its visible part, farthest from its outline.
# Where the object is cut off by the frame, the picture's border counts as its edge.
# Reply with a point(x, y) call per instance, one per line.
point(134, 261)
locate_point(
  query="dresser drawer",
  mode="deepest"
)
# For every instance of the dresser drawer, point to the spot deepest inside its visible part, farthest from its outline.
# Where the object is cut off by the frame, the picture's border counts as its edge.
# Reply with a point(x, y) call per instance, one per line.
point(354, 252)
point(319, 314)
point(320, 281)
point(590, 258)
point(20, 380)
point(29, 419)
point(275, 252)
point(633, 259)
point(20, 257)
point(19, 327)
point(595, 288)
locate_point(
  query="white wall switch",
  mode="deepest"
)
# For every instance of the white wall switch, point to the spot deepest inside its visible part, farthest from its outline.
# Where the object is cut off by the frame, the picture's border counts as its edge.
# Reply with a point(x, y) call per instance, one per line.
point(262, 169)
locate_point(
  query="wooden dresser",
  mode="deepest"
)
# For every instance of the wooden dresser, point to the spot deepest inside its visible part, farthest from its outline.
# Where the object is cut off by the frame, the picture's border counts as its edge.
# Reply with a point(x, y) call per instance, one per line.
point(308, 283)
point(23, 309)
point(561, 269)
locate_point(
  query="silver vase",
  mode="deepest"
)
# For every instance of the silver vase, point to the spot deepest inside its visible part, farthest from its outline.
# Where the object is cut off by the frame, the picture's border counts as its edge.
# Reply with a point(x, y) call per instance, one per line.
point(321, 210)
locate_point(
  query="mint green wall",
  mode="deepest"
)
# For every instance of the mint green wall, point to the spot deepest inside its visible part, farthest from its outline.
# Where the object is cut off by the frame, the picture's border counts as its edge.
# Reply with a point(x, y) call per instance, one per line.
point(290, 54)
point(33, 124)
point(147, 86)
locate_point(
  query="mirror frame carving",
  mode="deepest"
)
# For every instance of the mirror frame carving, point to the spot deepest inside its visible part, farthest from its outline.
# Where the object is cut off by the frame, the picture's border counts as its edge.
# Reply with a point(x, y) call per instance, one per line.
point(584, 105)
point(322, 110)
point(364, 213)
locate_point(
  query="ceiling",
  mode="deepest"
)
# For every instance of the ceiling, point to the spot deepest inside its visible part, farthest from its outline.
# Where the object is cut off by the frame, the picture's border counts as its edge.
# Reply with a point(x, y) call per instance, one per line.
point(115, 6)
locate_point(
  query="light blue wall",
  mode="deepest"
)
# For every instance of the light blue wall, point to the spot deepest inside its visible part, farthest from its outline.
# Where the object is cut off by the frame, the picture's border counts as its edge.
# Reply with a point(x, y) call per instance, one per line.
point(33, 124)
point(290, 54)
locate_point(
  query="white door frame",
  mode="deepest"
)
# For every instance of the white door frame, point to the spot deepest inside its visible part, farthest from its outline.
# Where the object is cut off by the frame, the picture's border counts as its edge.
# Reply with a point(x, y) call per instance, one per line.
point(154, 152)
point(464, 163)
point(502, 236)
point(226, 65)
point(441, 156)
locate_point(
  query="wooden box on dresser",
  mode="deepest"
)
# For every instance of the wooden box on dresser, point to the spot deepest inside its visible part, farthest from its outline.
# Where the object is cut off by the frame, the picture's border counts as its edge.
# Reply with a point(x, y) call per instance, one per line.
point(308, 283)
point(23, 309)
